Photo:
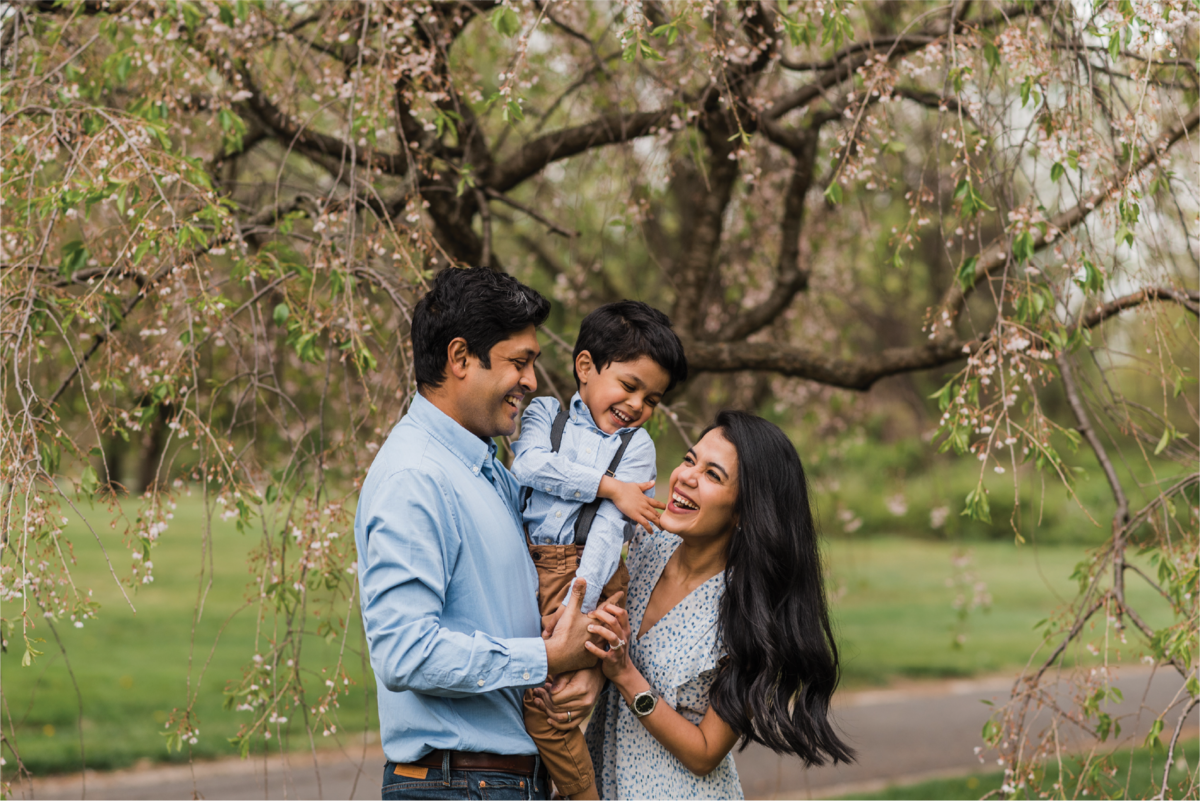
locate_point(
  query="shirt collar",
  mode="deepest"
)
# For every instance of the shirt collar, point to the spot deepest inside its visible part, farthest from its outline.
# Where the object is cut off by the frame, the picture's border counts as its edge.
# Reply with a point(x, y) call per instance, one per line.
point(472, 450)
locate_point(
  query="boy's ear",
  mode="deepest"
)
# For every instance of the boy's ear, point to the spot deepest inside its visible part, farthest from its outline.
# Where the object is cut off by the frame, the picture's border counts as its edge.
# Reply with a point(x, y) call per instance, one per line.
point(584, 366)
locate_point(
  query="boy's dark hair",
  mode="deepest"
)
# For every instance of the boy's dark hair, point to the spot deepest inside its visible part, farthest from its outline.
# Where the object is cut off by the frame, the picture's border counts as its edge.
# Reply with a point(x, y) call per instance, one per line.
point(627, 330)
point(478, 304)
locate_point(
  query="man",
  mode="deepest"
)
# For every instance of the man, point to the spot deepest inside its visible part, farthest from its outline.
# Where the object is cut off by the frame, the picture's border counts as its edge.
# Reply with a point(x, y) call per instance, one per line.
point(449, 594)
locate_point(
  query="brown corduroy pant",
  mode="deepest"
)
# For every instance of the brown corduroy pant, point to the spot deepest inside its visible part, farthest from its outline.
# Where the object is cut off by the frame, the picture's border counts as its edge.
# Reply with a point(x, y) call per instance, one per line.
point(564, 752)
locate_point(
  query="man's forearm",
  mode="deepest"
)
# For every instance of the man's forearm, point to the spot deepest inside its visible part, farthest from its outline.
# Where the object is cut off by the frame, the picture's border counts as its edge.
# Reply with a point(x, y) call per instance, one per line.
point(435, 661)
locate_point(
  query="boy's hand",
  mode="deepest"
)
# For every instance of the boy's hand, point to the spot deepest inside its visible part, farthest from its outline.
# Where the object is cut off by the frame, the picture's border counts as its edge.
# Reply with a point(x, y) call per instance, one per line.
point(629, 497)
point(550, 621)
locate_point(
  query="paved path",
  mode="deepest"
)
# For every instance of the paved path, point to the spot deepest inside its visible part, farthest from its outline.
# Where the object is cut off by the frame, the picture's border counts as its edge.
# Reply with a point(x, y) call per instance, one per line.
point(900, 735)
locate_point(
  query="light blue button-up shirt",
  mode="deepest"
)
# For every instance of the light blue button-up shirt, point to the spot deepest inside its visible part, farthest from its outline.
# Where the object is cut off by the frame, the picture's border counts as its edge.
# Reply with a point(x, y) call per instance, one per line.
point(449, 593)
point(563, 482)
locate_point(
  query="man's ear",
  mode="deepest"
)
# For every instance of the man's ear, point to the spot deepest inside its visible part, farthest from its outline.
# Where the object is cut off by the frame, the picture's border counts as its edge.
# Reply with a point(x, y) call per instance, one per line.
point(457, 357)
point(584, 366)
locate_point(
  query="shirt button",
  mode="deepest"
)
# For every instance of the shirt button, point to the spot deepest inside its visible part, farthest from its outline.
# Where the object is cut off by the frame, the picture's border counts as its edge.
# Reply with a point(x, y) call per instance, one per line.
point(588, 450)
point(482, 682)
point(558, 514)
point(475, 470)
point(525, 675)
point(577, 495)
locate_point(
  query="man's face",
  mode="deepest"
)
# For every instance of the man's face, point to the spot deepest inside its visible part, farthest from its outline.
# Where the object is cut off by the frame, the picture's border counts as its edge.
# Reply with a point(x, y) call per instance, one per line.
point(491, 397)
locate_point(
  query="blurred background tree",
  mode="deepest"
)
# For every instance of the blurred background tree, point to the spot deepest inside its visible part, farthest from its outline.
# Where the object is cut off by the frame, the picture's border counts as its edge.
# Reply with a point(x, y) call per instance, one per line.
point(964, 222)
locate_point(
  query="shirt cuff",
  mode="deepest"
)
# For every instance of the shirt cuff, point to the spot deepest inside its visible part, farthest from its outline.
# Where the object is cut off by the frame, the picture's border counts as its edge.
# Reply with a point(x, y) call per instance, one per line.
point(527, 661)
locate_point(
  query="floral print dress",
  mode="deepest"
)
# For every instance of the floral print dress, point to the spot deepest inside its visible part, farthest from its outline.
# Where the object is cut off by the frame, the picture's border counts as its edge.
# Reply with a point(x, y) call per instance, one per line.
point(678, 656)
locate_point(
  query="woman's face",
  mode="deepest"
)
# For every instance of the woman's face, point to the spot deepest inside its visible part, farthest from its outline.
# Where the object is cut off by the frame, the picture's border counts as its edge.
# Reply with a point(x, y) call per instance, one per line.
point(704, 490)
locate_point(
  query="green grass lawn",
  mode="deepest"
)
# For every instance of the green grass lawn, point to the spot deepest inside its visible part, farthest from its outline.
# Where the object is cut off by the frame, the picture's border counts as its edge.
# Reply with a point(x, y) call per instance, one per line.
point(893, 613)
point(133, 669)
point(1138, 774)
point(891, 607)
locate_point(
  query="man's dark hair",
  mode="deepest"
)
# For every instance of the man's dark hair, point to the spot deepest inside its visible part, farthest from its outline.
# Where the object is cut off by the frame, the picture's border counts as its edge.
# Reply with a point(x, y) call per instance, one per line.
point(627, 330)
point(478, 304)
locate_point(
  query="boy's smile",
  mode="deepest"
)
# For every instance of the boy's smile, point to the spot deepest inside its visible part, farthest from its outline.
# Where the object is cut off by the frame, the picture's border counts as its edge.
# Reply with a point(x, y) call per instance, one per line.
point(623, 394)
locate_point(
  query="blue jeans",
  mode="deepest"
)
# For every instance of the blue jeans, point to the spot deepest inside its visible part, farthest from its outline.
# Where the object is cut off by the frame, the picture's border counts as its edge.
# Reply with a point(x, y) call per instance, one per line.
point(464, 784)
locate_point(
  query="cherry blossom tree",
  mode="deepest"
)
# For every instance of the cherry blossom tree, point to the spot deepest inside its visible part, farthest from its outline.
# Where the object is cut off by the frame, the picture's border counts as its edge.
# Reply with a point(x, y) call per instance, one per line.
point(217, 216)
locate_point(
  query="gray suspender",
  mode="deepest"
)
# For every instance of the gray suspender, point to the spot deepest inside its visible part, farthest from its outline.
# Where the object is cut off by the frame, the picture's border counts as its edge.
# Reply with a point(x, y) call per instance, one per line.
point(587, 514)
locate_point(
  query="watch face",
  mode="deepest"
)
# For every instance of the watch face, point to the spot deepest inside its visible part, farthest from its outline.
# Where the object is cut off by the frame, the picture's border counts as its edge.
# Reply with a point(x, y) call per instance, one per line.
point(644, 704)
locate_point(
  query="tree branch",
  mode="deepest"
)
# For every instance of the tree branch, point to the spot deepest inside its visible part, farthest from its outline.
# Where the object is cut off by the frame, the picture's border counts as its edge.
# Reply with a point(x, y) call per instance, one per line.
point(798, 362)
point(262, 218)
point(791, 277)
point(1121, 515)
point(702, 234)
point(1189, 299)
point(300, 137)
point(995, 255)
point(535, 155)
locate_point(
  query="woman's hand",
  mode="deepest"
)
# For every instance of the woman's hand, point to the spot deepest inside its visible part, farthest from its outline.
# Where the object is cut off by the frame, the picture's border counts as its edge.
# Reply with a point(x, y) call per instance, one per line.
point(569, 699)
point(612, 624)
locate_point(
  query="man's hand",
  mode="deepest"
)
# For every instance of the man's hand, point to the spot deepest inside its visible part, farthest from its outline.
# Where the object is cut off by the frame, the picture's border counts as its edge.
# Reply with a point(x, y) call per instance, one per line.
point(564, 649)
point(631, 500)
point(550, 622)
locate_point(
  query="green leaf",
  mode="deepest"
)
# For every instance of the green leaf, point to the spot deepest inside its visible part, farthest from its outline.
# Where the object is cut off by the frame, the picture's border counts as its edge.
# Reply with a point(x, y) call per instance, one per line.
point(1152, 740)
point(1057, 171)
point(977, 507)
point(124, 67)
point(280, 314)
point(506, 22)
point(75, 257)
point(1168, 434)
point(992, 54)
point(1114, 45)
point(272, 493)
point(1026, 90)
point(991, 732)
point(1023, 247)
point(966, 273)
point(649, 53)
point(512, 112)
point(89, 481)
point(833, 193)
point(669, 30)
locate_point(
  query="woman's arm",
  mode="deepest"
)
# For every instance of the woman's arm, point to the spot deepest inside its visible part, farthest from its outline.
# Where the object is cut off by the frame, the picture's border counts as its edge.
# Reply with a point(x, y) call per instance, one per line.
point(700, 748)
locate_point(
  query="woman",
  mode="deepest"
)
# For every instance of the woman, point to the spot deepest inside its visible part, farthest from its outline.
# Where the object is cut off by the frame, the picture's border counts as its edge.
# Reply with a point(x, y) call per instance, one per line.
point(727, 635)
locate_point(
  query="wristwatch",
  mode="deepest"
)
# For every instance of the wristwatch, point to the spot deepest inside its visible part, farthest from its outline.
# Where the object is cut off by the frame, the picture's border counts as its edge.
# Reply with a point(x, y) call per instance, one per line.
point(644, 703)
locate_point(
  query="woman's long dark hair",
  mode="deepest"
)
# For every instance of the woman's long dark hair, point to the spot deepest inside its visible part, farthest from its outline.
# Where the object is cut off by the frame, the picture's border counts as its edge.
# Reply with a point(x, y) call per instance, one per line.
point(782, 668)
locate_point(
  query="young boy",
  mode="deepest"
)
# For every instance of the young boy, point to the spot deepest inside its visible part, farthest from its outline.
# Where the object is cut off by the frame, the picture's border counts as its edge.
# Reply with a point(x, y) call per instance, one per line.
point(626, 358)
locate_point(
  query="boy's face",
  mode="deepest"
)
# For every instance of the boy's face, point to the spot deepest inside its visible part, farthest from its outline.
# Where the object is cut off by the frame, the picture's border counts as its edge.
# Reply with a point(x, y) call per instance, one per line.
point(623, 394)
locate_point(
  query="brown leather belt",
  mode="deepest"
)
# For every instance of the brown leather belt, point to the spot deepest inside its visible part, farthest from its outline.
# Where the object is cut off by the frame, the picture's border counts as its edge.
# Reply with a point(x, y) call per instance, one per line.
point(480, 760)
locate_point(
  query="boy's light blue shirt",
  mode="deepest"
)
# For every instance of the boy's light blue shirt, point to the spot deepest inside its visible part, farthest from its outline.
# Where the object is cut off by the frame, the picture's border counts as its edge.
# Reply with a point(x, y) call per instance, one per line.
point(449, 593)
point(563, 482)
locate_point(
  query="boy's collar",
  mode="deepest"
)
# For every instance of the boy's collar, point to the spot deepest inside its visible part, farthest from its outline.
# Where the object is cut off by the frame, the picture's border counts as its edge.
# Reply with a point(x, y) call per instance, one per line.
point(580, 411)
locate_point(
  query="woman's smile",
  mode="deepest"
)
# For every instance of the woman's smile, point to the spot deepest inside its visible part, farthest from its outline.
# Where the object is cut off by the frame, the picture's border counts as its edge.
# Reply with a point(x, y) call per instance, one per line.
point(680, 503)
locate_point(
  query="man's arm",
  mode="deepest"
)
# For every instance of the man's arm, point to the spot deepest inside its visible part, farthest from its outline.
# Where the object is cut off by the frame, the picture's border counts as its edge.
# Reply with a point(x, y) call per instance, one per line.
point(412, 545)
point(535, 464)
point(603, 551)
